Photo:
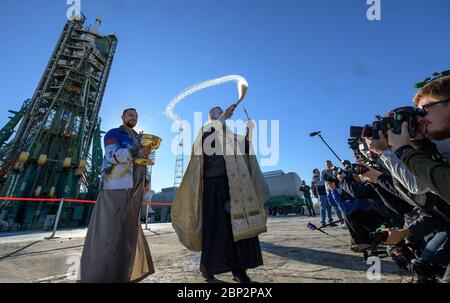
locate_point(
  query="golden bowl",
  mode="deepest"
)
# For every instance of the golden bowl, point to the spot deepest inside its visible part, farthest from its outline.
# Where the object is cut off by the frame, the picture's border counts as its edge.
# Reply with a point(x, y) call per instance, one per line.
point(151, 141)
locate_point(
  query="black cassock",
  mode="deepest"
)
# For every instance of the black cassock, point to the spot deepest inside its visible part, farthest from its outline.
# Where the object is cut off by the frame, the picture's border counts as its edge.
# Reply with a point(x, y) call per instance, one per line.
point(220, 253)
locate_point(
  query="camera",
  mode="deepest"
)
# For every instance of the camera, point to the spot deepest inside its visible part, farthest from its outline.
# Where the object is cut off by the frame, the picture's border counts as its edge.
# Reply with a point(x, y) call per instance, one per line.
point(362, 154)
point(377, 247)
point(393, 121)
point(401, 255)
point(354, 168)
point(361, 151)
point(424, 271)
point(328, 178)
point(378, 237)
point(371, 131)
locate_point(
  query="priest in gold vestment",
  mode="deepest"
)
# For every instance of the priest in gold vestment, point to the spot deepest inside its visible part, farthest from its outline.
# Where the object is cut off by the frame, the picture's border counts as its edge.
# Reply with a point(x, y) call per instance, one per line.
point(219, 208)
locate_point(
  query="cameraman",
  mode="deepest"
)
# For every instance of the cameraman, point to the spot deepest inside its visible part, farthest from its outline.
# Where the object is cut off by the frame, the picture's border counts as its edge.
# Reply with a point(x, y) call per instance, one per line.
point(434, 212)
point(329, 174)
point(434, 100)
point(360, 217)
point(387, 204)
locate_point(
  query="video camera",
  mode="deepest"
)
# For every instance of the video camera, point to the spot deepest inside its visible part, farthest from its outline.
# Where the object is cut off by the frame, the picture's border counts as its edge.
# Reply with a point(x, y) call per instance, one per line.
point(378, 237)
point(401, 253)
point(354, 168)
point(425, 272)
point(328, 178)
point(362, 154)
point(394, 121)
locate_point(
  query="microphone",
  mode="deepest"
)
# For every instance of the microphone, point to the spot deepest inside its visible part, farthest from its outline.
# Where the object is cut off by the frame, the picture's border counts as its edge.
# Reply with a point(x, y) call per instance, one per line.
point(311, 226)
point(314, 134)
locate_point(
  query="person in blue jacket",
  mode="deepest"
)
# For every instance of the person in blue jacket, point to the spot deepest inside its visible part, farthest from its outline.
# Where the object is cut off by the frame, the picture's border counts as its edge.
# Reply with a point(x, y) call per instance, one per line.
point(359, 215)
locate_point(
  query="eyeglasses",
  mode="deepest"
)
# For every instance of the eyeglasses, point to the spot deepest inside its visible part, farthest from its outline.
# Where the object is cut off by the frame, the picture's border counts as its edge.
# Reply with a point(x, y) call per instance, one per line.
point(426, 107)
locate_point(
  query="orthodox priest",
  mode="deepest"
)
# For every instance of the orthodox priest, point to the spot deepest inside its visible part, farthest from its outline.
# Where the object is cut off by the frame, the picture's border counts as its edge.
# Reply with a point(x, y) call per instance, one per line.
point(115, 249)
point(219, 207)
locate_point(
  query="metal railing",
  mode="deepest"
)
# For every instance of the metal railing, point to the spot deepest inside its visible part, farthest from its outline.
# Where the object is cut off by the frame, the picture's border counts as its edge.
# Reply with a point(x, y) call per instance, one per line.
point(67, 200)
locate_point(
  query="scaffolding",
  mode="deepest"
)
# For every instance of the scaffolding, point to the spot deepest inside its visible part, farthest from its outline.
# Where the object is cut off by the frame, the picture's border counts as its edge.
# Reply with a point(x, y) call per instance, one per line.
point(56, 149)
point(179, 162)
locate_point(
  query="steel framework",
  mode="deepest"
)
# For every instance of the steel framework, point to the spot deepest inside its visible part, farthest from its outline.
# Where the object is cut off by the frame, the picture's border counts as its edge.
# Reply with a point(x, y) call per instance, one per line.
point(56, 150)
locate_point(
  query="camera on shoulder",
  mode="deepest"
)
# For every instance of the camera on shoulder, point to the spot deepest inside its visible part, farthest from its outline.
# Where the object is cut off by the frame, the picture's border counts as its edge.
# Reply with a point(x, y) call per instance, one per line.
point(393, 120)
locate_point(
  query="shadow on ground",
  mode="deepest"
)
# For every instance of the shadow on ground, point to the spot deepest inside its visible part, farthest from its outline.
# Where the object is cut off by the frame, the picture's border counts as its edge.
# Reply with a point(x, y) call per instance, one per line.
point(324, 258)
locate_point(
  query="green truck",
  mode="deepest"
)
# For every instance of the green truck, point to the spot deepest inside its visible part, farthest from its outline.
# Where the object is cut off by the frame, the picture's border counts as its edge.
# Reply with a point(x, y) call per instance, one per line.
point(285, 194)
point(285, 198)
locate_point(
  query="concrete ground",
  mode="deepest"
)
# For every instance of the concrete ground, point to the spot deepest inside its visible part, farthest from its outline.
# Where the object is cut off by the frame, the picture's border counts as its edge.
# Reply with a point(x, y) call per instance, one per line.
point(291, 252)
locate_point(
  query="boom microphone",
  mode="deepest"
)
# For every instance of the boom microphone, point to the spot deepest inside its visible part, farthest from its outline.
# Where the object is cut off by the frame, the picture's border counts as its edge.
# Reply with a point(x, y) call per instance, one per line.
point(318, 133)
point(314, 134)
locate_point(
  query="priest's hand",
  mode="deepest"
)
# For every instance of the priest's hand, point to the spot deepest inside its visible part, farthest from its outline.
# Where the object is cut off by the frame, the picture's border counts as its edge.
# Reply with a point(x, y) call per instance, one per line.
point(230, 111)
point(250, 125)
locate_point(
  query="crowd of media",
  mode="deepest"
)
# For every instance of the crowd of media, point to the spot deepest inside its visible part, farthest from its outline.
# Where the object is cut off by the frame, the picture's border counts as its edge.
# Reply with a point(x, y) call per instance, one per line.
point(395, 196)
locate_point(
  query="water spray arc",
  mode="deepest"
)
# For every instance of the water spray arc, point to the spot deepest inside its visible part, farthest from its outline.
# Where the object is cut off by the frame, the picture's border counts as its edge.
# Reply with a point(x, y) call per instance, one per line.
point(242, 86)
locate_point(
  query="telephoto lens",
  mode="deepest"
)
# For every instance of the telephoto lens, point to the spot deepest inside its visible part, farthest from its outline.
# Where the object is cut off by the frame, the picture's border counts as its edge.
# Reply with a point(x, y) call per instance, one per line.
point(361, 131)
point(359, 169)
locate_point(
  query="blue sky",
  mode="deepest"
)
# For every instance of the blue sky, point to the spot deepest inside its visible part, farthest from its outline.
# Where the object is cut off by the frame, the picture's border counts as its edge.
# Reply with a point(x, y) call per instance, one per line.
point(312, 65)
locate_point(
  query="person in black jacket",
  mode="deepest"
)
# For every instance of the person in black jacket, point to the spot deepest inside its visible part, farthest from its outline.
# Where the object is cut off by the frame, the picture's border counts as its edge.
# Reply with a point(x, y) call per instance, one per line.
point(306, 190)
point(389, 207)
point(389, 203)
point(434, 212)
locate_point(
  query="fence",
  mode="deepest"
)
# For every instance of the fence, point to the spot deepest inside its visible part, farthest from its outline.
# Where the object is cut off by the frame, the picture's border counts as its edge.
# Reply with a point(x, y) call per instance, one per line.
point(67, 200)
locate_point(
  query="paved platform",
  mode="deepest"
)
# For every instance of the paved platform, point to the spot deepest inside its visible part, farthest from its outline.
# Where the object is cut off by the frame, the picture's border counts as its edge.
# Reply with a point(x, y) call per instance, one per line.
point(291, 252)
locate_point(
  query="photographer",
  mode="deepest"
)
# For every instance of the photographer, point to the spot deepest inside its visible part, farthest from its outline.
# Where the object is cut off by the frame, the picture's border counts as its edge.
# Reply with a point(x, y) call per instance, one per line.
point(413, 190)
point(433, 99)
point(395, 166)
point(404, 248)
point(360, 217)
point(384, 202)
point(329, 174)
point(394, 209)
point(381, 188)
point(434, 213)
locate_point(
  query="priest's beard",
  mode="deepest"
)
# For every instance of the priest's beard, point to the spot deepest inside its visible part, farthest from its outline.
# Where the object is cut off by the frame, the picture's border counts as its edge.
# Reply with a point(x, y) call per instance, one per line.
point(130, 124)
